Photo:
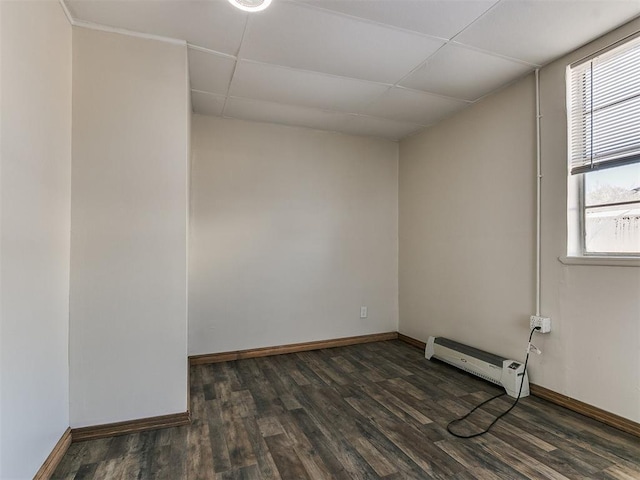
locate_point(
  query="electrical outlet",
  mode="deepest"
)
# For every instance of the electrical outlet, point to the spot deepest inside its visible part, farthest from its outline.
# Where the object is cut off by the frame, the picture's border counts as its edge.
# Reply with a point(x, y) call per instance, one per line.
point(363, 312)
point(543, 322)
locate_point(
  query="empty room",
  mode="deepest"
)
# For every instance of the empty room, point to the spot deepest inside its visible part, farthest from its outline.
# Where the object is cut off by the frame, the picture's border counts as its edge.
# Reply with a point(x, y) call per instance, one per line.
point(319, 239)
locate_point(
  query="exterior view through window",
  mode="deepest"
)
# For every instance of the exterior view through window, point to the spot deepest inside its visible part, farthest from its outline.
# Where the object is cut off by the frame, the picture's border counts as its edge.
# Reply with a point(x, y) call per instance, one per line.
point(612, 210)
point(604, 134)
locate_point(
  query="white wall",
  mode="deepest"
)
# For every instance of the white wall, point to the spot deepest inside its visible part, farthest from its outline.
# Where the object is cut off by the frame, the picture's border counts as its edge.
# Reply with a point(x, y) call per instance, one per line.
point(35, 190)
point(467, 218)
point(292, 230)
point(128, 228)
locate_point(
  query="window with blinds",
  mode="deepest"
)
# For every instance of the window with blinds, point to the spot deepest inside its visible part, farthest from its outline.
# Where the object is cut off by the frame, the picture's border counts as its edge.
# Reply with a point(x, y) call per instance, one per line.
point(604, 110)
point(604, 139)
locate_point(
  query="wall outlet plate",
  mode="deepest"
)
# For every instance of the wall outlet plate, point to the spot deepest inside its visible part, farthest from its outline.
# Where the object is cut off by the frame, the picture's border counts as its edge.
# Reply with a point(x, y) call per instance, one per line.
point(363, 312)
point(543, 322)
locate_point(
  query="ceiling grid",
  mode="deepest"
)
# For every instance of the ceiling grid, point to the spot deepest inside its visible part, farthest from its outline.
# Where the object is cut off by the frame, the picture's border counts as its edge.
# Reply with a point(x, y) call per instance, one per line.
point(384, 68)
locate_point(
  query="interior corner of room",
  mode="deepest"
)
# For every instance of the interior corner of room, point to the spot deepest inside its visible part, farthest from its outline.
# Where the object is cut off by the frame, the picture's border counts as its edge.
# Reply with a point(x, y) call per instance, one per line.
point(136, 233)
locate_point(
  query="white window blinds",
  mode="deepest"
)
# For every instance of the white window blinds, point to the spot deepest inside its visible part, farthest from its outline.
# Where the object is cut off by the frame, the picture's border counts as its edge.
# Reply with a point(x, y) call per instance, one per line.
point(604, 116)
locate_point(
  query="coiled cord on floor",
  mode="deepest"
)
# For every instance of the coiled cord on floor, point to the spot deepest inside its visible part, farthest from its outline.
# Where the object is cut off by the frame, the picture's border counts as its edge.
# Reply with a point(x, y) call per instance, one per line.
point(457, 420)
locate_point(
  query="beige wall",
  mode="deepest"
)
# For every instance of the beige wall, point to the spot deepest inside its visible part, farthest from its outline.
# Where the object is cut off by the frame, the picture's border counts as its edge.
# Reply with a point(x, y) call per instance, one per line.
point(128, 228)
point(35, 191)
point(467, 247)
point(292, 230)
point(595, 354)
point(467, 225)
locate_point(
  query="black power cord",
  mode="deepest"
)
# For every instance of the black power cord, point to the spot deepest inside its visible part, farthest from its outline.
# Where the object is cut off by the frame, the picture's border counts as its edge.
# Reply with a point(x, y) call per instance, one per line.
point(524, 371)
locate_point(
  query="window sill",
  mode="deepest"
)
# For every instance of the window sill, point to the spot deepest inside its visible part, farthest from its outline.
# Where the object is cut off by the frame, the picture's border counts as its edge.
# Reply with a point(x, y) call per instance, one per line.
point(601, 261)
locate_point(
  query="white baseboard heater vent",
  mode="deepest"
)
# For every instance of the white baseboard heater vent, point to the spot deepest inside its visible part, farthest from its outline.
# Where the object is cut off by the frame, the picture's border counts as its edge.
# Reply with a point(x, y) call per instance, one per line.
point(488, 366)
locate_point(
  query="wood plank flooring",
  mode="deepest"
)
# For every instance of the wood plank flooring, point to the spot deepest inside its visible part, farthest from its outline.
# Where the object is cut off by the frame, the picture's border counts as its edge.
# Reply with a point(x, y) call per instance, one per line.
point(367, 411)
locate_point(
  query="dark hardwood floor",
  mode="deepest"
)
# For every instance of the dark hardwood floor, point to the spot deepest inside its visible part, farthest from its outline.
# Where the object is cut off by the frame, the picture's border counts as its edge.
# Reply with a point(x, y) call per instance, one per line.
point(368, 411)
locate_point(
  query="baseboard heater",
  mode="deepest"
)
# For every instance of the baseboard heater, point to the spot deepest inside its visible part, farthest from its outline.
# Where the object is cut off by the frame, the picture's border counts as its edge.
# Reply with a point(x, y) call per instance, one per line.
point(488, 366)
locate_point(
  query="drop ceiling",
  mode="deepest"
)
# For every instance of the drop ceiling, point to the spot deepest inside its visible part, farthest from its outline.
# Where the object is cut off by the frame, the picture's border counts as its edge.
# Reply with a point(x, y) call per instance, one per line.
point(384, 68)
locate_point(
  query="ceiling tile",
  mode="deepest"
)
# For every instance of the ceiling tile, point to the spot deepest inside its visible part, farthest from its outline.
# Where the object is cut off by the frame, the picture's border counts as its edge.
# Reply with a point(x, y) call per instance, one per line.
point(297, 87)
point(311, 39)
point(412, 106)
point(207, 104)
point(441, 18)
point(261, 111)
point(459, 72)
point(540, 31)
point(213, 24)
point(378, 127)
point(209, 72)
point(308, 62)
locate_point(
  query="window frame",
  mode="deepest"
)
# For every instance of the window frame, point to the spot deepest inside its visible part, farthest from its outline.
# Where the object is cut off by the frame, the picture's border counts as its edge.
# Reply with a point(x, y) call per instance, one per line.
point(577, 253)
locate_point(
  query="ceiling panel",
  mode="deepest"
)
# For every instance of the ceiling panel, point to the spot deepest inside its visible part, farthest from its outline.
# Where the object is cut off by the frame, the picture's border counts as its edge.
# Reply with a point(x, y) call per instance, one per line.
point(213, 24)
point(334, 64)
point(540, 31)
point(441, 18)
point(311, 39)
point(261, 111)
point(209, 72)
point(450, 71)
point(412, 106)
point(297, 87)
point(207, 104)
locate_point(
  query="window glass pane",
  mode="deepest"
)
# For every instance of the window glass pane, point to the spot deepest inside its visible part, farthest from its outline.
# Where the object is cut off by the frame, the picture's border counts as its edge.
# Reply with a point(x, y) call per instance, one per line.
point(613, 228)
point(612, 185)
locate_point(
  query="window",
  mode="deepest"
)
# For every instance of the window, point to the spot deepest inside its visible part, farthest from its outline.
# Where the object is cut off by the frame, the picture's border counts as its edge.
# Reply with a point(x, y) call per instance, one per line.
point(604, 137)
